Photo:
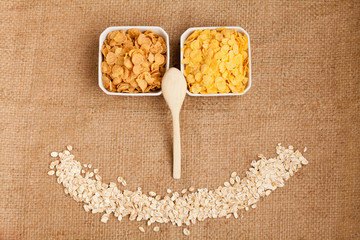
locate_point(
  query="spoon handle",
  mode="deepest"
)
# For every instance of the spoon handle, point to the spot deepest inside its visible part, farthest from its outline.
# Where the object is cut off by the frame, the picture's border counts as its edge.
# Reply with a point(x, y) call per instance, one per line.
point(176, 147)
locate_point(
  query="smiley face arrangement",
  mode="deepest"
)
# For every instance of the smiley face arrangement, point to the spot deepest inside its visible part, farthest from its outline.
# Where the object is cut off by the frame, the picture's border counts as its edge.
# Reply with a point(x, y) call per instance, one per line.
point(85, 185)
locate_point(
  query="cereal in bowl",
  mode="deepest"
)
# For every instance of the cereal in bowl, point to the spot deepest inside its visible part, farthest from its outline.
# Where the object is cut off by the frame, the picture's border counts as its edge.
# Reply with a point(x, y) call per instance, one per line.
point(133, 62)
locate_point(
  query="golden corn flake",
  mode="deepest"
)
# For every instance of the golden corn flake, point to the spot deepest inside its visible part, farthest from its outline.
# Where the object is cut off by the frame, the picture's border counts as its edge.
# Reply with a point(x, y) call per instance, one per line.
point(133, 61)
point(216, 61)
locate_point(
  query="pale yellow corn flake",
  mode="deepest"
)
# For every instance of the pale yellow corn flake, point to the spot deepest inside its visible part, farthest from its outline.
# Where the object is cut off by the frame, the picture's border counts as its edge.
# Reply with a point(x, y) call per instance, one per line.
point(117, 70)
point(110, 58)
point(159, 58)
point(216, 61)
point(105, 68)
point(117, 81)
point(134, 32)
point(137, 58)
point(120, 37)
point(137, 69)
point(133, 61)
point(127, 63)
point(142, 84)
point(106, 81)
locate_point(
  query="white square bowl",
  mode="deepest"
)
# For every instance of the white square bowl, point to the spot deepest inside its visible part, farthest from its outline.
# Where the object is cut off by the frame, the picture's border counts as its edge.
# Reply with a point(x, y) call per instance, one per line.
point(158, 30)
point(185, 35)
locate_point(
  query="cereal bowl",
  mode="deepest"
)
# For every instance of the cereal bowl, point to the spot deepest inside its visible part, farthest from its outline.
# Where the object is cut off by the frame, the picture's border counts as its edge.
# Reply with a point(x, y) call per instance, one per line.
point(158, 30)
point(188, 32)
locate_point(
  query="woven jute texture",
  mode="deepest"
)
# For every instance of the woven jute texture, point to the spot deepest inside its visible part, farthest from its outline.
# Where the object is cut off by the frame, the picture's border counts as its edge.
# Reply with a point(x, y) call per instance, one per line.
point(305, 92)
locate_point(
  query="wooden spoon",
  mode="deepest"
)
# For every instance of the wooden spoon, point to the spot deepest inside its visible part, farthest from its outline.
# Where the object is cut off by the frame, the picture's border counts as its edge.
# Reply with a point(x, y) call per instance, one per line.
point(173, 87)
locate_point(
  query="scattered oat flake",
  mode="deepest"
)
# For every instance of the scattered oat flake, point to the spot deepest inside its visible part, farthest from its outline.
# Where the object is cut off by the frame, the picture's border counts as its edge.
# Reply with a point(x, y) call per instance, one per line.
point(141, 229)
point(69, 147)
point(89, 165)
point(54, 154)
point(51, 172)
point(305, 149)
point(168, 190)
point(232, 181)
point(156, 229)
point(304, 161)
point(105, 218)
point(54, 163)
point(186, 231)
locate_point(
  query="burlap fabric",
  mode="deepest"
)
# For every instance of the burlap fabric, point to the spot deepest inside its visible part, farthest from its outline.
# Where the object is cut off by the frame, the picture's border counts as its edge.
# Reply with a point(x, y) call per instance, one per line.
point(305, 92)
